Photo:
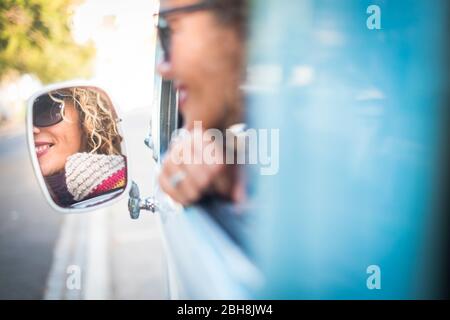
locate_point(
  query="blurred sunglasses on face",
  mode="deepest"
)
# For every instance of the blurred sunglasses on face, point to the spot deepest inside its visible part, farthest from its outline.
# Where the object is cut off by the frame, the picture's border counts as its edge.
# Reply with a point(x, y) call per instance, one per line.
point(46, 111)
point(163, 26)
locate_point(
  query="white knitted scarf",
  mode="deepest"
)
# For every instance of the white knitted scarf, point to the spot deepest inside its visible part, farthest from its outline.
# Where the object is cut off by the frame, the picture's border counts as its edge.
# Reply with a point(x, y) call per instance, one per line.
point(85, 171)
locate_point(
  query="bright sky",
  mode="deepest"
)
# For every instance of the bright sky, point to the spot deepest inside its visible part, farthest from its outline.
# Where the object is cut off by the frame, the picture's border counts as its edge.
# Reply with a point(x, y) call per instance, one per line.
point(124, 35)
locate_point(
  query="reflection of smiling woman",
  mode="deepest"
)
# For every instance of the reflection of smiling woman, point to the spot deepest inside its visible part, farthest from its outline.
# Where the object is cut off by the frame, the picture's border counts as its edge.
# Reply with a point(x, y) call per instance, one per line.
point(77, 144)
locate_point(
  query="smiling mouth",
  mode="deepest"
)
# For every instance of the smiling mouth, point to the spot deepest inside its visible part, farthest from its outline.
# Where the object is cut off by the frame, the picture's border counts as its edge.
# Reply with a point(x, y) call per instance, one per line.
point(42, 149)
point(182, 94)
point(182, 97)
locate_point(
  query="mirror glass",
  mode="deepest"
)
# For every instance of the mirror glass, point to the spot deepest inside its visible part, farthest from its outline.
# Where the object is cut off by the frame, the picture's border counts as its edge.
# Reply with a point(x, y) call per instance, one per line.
point(78, 146)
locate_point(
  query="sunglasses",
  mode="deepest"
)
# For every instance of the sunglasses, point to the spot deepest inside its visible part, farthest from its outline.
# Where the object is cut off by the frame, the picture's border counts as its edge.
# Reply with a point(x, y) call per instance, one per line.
point(164, 31)
point(46, 111)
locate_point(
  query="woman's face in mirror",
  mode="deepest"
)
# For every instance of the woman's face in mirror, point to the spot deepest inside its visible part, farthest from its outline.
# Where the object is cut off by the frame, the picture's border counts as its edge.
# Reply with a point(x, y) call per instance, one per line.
point(54, 144)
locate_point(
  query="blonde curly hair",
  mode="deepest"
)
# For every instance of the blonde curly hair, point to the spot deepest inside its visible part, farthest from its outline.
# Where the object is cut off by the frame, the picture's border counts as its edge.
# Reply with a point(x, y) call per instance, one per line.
point(98, 120)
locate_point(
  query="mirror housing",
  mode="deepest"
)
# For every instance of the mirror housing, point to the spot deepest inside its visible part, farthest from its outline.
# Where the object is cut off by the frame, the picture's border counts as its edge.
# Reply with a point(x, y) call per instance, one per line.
point(77, 147)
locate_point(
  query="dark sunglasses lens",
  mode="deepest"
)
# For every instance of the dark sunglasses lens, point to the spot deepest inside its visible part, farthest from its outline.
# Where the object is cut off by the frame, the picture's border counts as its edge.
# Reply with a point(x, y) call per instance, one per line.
point(164, 37)
point(46, 111)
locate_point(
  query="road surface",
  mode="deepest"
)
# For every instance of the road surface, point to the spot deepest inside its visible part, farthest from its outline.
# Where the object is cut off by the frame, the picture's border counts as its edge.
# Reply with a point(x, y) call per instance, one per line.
point(118, 258)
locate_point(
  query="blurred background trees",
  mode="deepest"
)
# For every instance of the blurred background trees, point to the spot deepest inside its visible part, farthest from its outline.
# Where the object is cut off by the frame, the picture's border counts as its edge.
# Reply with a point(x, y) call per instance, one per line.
point(36, 39)
point(37, 47)
point(45, 41)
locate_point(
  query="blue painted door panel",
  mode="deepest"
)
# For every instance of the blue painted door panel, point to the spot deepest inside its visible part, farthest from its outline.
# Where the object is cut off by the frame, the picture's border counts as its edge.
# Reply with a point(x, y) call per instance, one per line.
point(359, 114)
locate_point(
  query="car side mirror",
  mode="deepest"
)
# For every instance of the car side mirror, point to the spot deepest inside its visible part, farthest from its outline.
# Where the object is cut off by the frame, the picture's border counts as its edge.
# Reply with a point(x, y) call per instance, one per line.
point(77, 147)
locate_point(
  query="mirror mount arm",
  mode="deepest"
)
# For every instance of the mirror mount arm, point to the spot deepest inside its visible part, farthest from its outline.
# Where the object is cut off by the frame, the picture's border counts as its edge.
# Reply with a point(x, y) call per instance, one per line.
point(136, 204)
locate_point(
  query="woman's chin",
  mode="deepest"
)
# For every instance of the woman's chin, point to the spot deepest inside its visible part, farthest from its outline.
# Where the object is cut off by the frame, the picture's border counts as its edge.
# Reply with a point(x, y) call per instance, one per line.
point(49, 171)
point(45, 172)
